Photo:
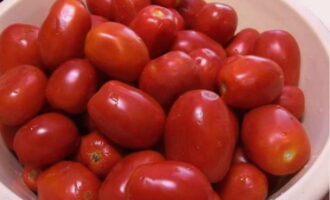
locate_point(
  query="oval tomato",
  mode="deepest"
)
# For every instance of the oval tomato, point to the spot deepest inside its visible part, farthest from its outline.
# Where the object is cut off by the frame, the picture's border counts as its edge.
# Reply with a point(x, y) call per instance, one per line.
point(30, 176)
point(178, 19)
point(102, 8)
point(243, 43)
point(125, 10)
point(8, 134)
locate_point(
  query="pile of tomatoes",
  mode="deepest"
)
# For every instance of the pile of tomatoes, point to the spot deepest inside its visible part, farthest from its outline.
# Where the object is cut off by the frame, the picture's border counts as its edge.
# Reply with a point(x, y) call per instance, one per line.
point(149, 100)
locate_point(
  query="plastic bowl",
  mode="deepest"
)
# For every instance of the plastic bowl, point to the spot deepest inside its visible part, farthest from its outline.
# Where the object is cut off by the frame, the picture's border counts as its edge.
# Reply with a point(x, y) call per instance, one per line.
point(312, 181)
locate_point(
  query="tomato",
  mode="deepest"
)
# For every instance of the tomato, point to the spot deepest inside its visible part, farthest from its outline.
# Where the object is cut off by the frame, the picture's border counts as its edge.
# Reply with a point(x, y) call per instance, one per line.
point(239, 156)
point(189, 8)
point(231, 59)
point(127, 115)
point(243, 43)
point(71, 86)
point(30, 176)
point(97, 20)
point(68, 180)
point(189, 40)
point(216, 197)
point(244, 181)
point(18, 46)
point(208, 64)
point(98, 154)
point(198, 125)
point(117, 51)
point(250, 81)
point(63, 33)
point(217, 20)
point(8, 133)
point(275, 140)
point(293, 99)
point(22, 94)
point(156, 25)
point(178, 19)
point(168, 3)
point(45, 139)
point(281, 47)
point(168, 180)
point(102, 8)
point(114, 186)
point(167, 77)
point(126, 10)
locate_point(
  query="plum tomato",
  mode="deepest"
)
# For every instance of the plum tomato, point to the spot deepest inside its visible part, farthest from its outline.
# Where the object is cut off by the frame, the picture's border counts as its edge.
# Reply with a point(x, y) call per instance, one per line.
point(189, 8)
point(243, 43)
point(97, 20)
point(125, 10)
point(102, 8)
point(168, 3)
point(45, 139)
point(250, 81)
point(68, 180)
point(198, 125)
point(168, 180)
point(178, 19)
point(275, 140)
point(30, 176)
point(281, 47)
point(217, 20)
point(114, 186)
point(8, 134)
point(239, 156)
point(127, 115)
point(117, 51)
point(22, 94)
point(63, 32)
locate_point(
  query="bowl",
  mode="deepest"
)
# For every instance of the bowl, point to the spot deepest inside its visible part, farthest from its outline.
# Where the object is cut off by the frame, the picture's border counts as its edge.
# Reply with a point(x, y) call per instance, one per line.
point(312, 181)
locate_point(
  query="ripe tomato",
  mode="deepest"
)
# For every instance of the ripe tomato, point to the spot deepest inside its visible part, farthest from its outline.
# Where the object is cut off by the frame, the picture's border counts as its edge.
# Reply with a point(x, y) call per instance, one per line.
point(189, 8)
point(116, 50)
point(97, 20)
point(71, 86)
point(250, 81)
point(281, 47)
point(22, 94)
point(30, 176)
point(198, 125)
point(275, 140)
point(178, 19)
point(168, 3)
point(63, 33)
point(239, 156)
point(45, 139)
point(68, 181)
point(8, 133)
point(243, 43)
point(127, 115)
point(168, 180)
point(167, 77)
point(114, 186)
point(125, 10)
point(217, 20)
point(102, 8)
point(244, 181)
point(18, 46)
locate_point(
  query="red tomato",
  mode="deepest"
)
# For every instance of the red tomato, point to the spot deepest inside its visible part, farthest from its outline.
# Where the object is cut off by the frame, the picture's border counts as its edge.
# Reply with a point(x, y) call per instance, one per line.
point(116, 50)
point(239, 156)
point(98, 154)
point(114, 186)
point(168, 180)
point(18, 46)
point(216, 197)
point(8, 133)
point(243, 43)
point(68, 181)
point(71, 86)
point(63, 33)
point(178, 19)
point(156, 25)
point(217, 20)
point(231, 59)
point(189, 9)
point(30, 176)
point(168, 3)
point(244, 181)
point(167, 77)
point(126, 10)
point(102, 8)
point(293, 99)
point(281, 47)
point(127, 115)
point(188, 41)
point(45, 139)
point(250, 81)
point(97, 20)
point(275, 140)
point(208, 65)
point(22, 94)
point(199, 131)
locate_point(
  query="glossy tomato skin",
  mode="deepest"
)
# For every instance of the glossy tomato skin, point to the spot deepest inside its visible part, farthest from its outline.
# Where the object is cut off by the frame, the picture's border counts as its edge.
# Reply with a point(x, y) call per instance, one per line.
point(178, 19)
point(63, 33)
point(71, 86)
point(68, 180)
point(18, 46)
point(189, 8)
point(117, 51)
point(168, 3)
point(217, 20)
point(244, 181)
point(126, 10)
point(271, 126)
point(114, 186)
point(189, 40)
point(8, 134)
point(168, 180)
point(97, 20)
point(167, 77)
point(203, 117)
point(156, 26)
point(250, 81)
point(243, 43)
point(22, 94)
point(37, 142)
point(127, 115)
point(281, 47)
point(102, 8)
point(30, 176)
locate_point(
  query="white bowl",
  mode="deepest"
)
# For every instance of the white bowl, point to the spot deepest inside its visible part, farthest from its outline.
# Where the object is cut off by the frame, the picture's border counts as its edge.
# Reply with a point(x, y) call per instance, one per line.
point(311, 182)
